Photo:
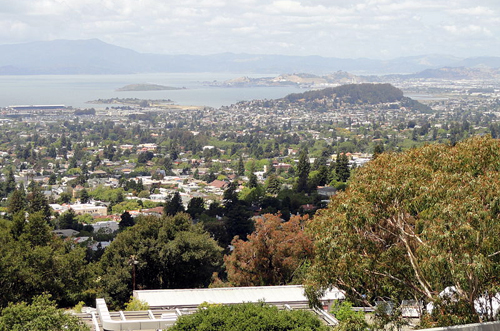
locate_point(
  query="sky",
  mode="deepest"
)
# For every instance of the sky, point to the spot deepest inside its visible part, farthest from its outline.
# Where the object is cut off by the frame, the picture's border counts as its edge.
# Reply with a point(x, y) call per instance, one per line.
point(378, 29)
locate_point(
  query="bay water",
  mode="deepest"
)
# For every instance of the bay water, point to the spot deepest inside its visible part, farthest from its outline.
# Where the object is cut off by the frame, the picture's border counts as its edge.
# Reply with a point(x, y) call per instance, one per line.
point(77, 90)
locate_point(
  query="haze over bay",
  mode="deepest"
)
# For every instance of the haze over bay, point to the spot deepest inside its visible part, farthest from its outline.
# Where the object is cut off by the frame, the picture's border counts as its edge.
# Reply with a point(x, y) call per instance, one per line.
point(76, 90)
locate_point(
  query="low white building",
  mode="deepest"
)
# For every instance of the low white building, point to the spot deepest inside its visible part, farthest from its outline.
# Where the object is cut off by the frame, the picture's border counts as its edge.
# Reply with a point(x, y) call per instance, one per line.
point(292, 295)
point(89, 208)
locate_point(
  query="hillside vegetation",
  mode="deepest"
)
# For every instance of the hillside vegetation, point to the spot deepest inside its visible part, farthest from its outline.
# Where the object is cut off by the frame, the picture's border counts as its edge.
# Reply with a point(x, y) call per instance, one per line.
point(352, 94)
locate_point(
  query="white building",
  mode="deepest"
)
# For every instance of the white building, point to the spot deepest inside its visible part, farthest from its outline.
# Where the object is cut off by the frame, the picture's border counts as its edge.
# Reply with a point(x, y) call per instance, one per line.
point(292, 295)
point(89, 208)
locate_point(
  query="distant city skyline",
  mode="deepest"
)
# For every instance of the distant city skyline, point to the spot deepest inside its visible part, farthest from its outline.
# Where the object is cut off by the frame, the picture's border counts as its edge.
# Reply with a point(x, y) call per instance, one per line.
point(378, 29)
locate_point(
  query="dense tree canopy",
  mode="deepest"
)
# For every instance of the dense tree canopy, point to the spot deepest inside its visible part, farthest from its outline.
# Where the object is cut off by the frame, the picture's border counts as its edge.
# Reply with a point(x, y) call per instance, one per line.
point(273, 254)
point(352, 93)
point(33, 261)
point(414, 223)
point(170, 252)
point(41, 315)
point(248, 317)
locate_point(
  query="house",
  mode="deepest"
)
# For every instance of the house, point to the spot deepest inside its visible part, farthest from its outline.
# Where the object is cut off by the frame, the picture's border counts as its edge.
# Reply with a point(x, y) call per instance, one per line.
point(308, 207)
point(147, 147)
point(100, 245)
point(99, 173)
point(218, 184)
point(65, 232)
point(89, 208)
point(108, 226)
point(126, 147)
point(327, 191)
point(58, 208)
point(156, 211)
point(282, 166)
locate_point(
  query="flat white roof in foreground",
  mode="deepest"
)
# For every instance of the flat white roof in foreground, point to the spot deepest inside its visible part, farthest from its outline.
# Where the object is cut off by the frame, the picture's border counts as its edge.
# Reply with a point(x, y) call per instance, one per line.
point(230, 295)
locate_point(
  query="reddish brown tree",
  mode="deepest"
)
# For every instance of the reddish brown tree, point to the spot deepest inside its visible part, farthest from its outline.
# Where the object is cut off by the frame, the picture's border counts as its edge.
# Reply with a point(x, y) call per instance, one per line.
point(274, 254)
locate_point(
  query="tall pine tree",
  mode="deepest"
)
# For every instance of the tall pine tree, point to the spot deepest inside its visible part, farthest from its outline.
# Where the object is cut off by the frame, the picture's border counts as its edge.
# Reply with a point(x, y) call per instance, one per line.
point(303, 168)
point(174, 205)
point(342, 167)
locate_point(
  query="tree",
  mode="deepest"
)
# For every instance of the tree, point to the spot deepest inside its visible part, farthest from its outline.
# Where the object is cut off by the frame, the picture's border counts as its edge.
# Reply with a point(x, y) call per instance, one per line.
point(167, 164)
point(84, 196)
point(248, 317)
point(41, 315)
point(174, 205)
point(349, 320)
point(273, 185)
point(37, 231)
point(72, 163)
point(252, 180)
point(170, 252)
point(411, 224)
point(241, 167)
point(303, 168)
point(145, 157)
point(272, 255)
point(342, 167)
point(96, 162)
point(236, 217)
point(17, 202)
point(135, 305)
point(37, 202)
point(67, 220)
point(319, 177)
point(210, 177)
point(51, 152)
point(196, 207)
point(52, 179)
point(126, 220)
point(414, 135)
point(270, 169)
point(378, 149)
point(64, 197)
point(230, 195)
point(10, 183)
point(35, 261)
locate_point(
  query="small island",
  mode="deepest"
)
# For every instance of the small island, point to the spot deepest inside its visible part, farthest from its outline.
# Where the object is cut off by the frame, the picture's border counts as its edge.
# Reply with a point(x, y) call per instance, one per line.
point(148, 87)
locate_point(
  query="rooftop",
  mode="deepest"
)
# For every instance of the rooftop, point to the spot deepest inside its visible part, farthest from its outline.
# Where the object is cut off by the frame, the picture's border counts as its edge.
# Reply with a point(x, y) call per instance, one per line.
point(287, 294)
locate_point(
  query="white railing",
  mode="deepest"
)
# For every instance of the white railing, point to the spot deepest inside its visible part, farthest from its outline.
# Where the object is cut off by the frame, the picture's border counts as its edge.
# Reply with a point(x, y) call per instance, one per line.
point(109, 324)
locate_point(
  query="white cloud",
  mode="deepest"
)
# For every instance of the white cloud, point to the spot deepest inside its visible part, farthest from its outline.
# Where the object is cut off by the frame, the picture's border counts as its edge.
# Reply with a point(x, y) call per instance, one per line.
point(222, 21)
point(468, 30)
point(474, 11)
point(355, 28)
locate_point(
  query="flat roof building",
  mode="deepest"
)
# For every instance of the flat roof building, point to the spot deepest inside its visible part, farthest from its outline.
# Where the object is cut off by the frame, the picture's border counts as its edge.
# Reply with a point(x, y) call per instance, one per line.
point(190, 298)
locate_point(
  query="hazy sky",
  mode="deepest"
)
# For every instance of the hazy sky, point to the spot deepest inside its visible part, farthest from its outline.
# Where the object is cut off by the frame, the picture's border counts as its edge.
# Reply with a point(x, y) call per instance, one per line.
point(337, 28)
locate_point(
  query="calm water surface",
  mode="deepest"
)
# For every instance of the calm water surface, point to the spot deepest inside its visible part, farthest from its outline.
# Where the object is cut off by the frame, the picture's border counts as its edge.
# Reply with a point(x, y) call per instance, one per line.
point(76, 90)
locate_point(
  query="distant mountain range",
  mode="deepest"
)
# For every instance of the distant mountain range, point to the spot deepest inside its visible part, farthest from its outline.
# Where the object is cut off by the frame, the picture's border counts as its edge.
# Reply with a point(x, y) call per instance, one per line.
point(456, 73)
point(97, 57)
